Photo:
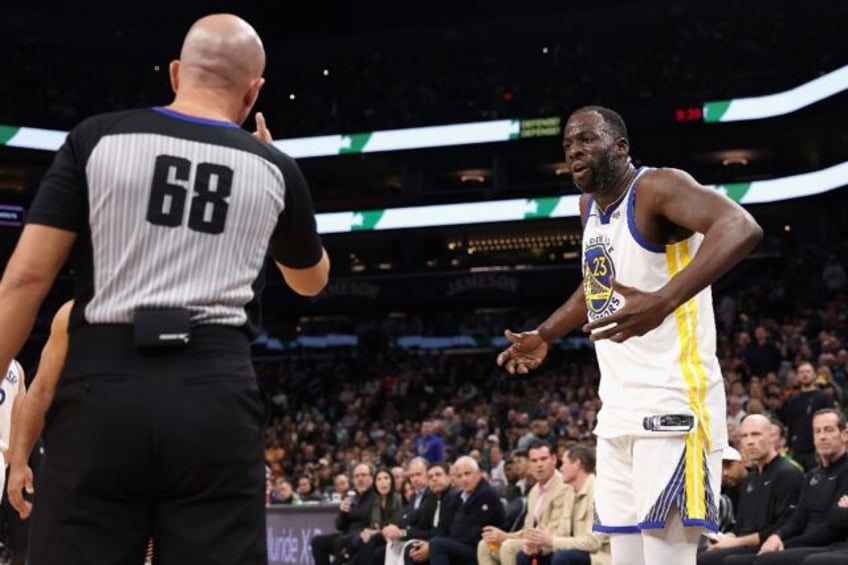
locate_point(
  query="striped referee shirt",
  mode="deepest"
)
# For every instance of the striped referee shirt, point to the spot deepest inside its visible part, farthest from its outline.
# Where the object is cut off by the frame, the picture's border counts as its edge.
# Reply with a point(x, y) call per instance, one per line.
point(174, 211)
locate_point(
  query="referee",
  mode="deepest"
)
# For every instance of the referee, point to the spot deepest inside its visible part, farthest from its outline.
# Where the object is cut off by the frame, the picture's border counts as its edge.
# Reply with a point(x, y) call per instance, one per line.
point(168, 214)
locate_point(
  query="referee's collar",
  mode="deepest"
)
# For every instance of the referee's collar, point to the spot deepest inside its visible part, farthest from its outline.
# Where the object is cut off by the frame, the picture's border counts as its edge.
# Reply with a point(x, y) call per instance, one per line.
point(194, 119)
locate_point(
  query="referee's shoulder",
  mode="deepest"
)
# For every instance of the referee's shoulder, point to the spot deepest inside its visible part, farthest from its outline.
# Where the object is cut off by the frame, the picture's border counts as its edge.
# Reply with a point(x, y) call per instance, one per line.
point(100, 124)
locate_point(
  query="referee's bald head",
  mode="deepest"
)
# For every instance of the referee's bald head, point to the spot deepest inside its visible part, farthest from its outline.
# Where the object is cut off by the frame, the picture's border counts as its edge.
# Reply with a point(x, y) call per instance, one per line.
point(222, 48)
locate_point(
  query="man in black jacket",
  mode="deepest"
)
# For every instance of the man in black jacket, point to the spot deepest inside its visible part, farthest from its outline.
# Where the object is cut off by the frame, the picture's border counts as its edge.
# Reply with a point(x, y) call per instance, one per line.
point(431, 518)
point(479, 506)
point(767, 495)
point(798, 415)
point(818, 520)
point(354, 516)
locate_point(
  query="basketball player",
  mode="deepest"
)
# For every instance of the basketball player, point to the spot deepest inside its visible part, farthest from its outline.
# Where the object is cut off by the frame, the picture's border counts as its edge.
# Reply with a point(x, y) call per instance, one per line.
point(12, 391)
point(653, 242)
point(29, 418)
point(172, 214)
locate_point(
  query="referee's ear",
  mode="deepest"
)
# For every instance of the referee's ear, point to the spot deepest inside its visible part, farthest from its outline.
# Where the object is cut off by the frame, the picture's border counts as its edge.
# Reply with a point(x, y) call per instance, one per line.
point(174, 73)
point(250, 97)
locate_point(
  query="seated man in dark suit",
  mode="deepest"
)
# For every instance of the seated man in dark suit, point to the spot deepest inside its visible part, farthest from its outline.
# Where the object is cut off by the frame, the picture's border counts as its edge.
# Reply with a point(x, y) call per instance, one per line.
point(479, 506)
point(429, 520)
point(354, 516)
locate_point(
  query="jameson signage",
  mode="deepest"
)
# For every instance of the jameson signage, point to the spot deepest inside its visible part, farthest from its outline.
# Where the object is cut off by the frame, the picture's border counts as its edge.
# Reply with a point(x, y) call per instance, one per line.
point(344, 294)
point(472, 283)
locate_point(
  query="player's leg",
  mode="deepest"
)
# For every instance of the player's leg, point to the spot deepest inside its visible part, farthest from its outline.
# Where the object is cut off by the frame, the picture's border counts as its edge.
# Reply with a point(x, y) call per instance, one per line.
point(676, 480)
point(616, 513)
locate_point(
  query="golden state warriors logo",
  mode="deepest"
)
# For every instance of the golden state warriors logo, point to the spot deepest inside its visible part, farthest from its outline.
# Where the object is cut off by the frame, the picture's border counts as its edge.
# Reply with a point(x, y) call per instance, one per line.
point(597, 271)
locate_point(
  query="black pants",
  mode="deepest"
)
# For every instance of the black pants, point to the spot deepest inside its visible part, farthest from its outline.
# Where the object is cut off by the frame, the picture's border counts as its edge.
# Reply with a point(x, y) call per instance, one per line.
point(15, 532)
point(829, 557)
point(791, 556)
point(325, 546)
point(168, 446)
point(728, 556)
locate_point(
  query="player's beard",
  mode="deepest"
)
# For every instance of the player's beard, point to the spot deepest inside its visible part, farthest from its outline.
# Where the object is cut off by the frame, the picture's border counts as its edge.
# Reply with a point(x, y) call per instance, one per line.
point(601, 175)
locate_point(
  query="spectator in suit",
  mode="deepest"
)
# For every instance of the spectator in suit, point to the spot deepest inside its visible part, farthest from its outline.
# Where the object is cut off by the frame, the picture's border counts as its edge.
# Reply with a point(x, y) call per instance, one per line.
point(354, 516)
point(431, 518)
point(479, 506)
point(416, 471)
point(549, 500)
point(579, 545)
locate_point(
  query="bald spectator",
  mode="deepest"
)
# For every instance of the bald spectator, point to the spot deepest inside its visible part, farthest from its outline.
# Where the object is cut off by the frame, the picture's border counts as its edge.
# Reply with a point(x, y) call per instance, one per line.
point(767, 496)
point(479, 506)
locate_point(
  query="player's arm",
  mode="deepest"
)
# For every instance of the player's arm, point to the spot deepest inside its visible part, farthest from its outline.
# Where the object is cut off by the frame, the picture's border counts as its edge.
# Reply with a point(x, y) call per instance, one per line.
point(730, 233)
point(528, 349)
point(40, 253)
point(28, 423)
point(18, 401)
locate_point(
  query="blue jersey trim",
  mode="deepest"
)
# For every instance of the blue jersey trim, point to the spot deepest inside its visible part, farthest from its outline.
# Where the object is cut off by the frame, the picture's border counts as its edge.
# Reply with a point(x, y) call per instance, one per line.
point(631, 223)
point(616, 529)
point(589, 203)
point(194, 119)
point(606, 216)
point(702, 523)
point(653, 525)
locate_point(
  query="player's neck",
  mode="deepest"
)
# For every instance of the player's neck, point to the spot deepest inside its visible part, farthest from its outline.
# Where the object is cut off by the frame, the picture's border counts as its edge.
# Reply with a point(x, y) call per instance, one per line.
point(618, 188)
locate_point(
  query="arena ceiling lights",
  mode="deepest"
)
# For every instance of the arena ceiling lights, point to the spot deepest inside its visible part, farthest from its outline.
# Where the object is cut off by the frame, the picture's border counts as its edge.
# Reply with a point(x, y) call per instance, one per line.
point(786, 102)
point(494, 131)
point(756, 192)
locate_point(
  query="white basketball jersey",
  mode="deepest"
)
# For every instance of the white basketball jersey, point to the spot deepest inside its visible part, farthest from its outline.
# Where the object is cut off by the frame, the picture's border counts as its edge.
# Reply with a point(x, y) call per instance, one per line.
point(8, 391)
point(671, 370)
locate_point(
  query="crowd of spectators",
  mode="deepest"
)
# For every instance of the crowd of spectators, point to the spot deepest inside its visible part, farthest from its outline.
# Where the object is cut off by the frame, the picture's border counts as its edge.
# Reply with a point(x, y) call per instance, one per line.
point(370, 402)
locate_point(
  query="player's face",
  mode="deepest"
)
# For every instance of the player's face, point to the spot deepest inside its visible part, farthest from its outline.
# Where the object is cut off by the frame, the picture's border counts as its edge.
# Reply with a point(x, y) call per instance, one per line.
point(590, 151)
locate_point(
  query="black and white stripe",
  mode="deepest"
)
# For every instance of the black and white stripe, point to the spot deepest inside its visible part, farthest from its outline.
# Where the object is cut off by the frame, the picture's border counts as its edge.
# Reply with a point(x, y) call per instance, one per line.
point(137, 263)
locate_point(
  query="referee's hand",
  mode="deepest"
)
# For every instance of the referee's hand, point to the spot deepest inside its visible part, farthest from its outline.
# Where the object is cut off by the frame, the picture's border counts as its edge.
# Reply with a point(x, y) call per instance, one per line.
point(262, 132)
point(20, 480)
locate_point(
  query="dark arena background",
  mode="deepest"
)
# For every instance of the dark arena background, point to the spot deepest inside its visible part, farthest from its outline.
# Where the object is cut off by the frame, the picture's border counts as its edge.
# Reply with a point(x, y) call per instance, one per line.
point(430, 135)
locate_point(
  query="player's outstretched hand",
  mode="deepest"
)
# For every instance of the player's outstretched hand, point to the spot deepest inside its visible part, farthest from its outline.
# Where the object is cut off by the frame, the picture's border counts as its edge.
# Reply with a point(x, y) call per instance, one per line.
point(526, 352)
point(20, 480)
point(642, 312)
point(262, 132)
